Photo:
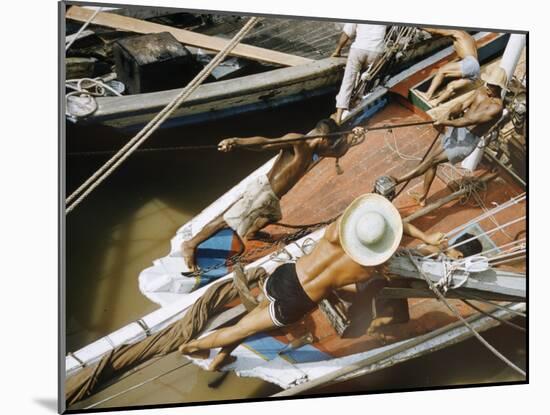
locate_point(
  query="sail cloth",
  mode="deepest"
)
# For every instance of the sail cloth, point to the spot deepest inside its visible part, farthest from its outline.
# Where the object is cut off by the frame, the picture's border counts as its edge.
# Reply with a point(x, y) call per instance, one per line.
point(167, 280)
point(91, 378)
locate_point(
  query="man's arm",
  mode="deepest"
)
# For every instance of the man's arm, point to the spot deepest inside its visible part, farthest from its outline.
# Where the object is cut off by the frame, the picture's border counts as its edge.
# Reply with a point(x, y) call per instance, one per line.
point(435, 239)
point(348, 31)
point(341, 43)
point(471, 118)
point(460, 105)
point(262, 143)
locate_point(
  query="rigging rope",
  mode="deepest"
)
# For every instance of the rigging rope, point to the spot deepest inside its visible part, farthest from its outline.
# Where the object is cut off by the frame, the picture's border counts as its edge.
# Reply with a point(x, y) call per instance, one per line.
point(463, 320)
point(82, 28)
point(272, 141)
point(99, 176)
point(420, 162)
point(501, 320)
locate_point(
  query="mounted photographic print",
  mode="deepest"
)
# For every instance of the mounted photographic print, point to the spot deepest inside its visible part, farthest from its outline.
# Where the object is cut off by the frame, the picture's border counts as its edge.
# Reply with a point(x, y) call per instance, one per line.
point(266, 207)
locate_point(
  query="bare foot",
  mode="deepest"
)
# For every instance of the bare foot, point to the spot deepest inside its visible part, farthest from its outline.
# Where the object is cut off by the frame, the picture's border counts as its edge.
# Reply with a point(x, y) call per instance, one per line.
point(193, 352)
point(188, 253)
point(378, 323)
point(436, 239)
point(418, 198)
point(222, 359)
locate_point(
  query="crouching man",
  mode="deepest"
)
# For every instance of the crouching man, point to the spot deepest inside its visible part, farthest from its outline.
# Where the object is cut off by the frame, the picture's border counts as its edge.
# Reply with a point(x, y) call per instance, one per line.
point(259, 204)
point(466, 122)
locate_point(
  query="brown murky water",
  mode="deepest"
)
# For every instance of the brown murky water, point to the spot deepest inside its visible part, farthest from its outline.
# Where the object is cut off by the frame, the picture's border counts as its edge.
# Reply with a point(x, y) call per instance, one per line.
point(128, 222)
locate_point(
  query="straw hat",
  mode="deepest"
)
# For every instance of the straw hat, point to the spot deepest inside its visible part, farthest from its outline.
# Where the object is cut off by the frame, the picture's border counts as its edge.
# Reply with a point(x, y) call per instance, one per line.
point(496, 76)
point(370, 229)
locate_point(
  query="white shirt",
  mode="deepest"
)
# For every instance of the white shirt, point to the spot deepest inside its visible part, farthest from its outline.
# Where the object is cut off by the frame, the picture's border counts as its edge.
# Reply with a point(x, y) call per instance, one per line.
point(367, 36)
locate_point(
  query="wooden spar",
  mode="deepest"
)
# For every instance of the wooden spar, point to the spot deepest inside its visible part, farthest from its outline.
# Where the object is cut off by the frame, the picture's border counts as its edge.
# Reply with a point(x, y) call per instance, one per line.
point(348, 370)
point(489, 284)
point(185, 36)
point(444, 200)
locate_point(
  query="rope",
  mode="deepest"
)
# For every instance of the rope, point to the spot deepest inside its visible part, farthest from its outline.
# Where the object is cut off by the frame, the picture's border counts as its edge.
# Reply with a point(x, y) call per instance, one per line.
point(473, 192)
point(513, 201)
point(99, 176)
point(84, 26)
point(490, 232)
point(468, 325)
point(501, 320)
point(482, 300)
point(131, 388)
point(421, 161)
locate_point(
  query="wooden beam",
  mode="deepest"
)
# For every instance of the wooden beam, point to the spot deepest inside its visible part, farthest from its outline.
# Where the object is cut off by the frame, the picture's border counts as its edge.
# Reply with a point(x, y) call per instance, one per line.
point(486, 178)
point(186, 37)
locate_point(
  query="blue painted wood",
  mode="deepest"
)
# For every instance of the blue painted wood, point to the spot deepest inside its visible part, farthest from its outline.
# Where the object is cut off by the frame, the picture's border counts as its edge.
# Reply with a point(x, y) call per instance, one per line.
point(212, 252)
point(268, 347)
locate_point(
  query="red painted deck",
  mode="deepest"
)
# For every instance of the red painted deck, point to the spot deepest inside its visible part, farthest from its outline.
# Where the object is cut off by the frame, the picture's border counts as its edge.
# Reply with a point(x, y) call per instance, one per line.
point(322, 194)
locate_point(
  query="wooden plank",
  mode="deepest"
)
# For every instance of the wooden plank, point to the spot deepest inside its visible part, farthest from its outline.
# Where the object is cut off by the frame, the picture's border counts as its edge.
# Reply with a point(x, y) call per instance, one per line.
point(493, 280)
point(185, 36)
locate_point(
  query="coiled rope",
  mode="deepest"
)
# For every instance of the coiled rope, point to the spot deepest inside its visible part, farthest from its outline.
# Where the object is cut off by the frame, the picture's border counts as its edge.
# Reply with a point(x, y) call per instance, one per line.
point(100, 175)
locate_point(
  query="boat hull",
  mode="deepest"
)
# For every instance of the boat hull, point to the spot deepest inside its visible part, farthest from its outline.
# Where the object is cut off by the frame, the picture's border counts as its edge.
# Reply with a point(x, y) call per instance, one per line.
point(223, 98)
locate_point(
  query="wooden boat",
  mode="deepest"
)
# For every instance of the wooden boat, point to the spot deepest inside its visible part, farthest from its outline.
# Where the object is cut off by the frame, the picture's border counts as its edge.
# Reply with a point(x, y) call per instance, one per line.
point(291, 62)
point(321, 194)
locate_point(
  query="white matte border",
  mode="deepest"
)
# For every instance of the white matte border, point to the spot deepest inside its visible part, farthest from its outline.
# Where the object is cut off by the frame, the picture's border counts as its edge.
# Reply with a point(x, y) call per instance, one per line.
point(29, 184)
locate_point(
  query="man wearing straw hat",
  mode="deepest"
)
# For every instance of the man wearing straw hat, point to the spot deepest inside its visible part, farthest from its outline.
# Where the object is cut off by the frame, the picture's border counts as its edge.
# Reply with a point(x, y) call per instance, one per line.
point(351, 251)
point(467, 120)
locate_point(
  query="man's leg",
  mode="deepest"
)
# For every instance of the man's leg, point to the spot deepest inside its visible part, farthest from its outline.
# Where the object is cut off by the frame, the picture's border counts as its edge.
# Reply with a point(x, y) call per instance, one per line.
point(188, 247)
point(451, 69)
point(429, 177)
point(256, 321)
point(423, 167)
point(354, 64)
point(450, 90)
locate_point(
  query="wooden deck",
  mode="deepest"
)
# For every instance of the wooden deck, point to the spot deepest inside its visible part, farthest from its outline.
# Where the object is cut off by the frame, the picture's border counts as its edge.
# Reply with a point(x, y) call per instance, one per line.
point(306, 38)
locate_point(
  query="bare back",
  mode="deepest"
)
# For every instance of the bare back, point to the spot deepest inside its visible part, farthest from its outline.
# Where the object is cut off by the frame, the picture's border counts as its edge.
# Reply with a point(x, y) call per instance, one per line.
point(483, 103)
point(328, 267)
point(290, 166)
point(464, 44)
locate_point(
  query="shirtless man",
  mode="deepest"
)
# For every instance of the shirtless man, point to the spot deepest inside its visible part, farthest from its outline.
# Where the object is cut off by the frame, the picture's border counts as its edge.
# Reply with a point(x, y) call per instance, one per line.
point(259, 204)
point(478, 111)
point(466, 70)
point(351, 251)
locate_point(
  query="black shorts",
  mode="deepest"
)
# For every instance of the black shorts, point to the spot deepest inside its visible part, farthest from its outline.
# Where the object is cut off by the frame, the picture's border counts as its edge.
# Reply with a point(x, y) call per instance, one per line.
point(288, 300)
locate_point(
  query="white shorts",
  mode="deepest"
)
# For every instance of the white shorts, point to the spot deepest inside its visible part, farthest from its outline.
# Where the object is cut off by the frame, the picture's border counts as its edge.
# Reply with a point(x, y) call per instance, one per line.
point(257, 201)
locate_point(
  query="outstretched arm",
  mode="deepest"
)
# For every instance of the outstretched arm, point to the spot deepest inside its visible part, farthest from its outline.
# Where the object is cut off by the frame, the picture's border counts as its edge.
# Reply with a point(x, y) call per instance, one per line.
point(262, 143)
